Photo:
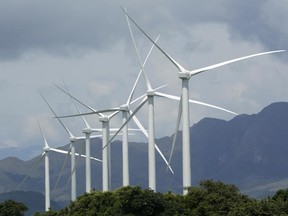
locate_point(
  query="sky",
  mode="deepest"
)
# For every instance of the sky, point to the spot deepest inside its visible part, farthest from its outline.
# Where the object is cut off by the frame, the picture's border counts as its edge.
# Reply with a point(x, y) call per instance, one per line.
point(87, 45)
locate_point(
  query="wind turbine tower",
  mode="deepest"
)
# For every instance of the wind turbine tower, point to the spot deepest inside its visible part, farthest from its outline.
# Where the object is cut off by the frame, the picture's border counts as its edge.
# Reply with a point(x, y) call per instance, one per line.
point(185, 76)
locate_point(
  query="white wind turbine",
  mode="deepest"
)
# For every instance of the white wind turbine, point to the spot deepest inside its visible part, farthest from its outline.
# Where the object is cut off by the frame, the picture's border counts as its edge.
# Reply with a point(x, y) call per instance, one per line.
point(104, 119)
point(151, 131)
point(46, 150)
point(185, 75)
point(123, 108)
point(132, 115)
point(72, 140)
point(88, 130)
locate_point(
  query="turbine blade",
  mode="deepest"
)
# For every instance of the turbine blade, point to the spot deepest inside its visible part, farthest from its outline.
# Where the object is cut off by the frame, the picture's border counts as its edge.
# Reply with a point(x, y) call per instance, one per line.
point(176, 131)
point(94, 136)
point(197, 71)
point(182, 69)
point(126, 122)
point(136, 82)
point(87, 106)
point(35, 165)
point(113, 114)
point(138, 123)
point(75, 115)
point(99, 112)
point(142, 96)
point(146, 94)
point(63, 166)
point(96, 129)
point(138, 56)
point(212, 106)
point(59, 151)
point(109, 110)
point(194, 102)
point(160, 87)
point(76, 154)
point(66, 129)
point(43, 136)
point(173, 97)
point(73, 101)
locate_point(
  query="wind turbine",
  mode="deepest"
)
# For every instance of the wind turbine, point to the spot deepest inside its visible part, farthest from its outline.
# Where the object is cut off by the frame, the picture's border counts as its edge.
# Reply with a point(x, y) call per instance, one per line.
point(150, 135)
point(185, 76)
point(87, 131)
point(46, 150)
point(72, 140)
point(104, 119)
point(126, 107)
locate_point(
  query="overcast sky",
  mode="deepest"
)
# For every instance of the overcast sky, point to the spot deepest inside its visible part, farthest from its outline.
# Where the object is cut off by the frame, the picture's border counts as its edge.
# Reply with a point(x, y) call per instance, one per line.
point(88, 44)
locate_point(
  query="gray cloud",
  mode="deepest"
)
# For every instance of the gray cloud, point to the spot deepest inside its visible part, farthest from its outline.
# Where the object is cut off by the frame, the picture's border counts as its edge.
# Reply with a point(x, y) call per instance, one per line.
point(69, 27)
point(56, 26)
point(88, 42)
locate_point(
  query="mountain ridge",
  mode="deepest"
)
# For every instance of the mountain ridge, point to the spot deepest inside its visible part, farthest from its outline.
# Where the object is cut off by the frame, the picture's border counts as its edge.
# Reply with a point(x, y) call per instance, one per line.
point(248, 151)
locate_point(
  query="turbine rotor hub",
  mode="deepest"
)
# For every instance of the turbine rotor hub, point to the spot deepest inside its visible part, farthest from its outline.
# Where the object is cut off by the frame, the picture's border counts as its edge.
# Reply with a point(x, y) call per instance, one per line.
point(150, 93)
point(184, 75)
point(103, 118)
point(87, 130)
point(72, 139)
point(124, 107)
point(46, 149)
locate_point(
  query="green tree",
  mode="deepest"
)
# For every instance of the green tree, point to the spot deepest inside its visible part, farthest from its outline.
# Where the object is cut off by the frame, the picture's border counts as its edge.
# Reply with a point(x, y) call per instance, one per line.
point(211, 198)
point(217, 198)
point(12, 208)
point(135, 201)
point(279, 202)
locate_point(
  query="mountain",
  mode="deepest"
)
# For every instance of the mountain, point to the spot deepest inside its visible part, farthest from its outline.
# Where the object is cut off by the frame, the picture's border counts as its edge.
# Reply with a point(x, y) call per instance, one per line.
point(248, 151)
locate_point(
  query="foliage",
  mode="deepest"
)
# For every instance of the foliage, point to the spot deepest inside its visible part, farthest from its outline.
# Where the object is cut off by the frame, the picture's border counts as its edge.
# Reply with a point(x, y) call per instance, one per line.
point(211, 198)
point(12, 208)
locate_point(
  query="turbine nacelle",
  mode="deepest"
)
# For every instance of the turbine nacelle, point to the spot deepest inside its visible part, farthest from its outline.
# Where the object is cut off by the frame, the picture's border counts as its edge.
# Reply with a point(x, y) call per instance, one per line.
point(150, 93)
point(124, 107)
point(184, 75)
point(46, 149)
point(87, 130)
point(103, 118)
point(73, 139)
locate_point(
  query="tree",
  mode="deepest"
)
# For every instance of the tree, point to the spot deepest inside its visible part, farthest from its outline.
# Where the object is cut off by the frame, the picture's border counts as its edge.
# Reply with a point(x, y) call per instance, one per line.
point(217, 198)
point(12, 208)
point(209, 198)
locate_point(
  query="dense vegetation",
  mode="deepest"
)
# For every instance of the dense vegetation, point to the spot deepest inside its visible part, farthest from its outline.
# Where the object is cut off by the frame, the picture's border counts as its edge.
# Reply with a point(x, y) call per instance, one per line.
point(12, 208)
point(210, 198)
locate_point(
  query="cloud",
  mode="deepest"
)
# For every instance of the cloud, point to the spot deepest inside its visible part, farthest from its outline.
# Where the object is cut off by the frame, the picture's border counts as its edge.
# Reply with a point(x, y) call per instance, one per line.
point(74, 28)
point(88, 43)
point(57, 27)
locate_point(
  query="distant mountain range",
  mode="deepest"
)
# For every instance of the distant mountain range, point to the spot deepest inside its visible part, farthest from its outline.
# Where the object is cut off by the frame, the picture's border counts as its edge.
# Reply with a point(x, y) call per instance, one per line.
point(249, 151)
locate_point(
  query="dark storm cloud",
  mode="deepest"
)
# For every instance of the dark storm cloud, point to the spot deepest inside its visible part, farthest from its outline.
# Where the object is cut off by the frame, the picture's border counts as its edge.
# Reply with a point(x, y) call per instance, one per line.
point(262, 21)
point(256, 21)
point(56, 26)
point(66, 26)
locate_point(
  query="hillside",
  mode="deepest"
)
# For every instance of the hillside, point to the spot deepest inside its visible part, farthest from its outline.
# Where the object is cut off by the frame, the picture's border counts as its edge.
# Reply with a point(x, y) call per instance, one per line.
point(249, 151)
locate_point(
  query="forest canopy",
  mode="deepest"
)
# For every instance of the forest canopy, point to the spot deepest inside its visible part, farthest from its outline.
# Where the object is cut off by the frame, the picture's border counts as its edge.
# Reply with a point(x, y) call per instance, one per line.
point(209, 198)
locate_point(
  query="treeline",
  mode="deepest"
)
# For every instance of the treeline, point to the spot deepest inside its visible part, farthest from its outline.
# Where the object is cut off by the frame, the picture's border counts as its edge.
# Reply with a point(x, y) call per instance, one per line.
point(209, 198)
